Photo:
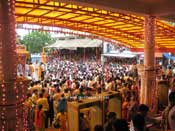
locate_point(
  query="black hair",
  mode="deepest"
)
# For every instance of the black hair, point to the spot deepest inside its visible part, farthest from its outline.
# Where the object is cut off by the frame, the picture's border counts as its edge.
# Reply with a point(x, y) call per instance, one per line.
point(32, 84)
point(41, 95)
point(81, 90)
point(77, 85)
point(43, 90)
point(58, 90)
point(98, 128)
point(66, 90)
point(120, 125)
point(35, 91)
point(28, 95)
point(81, 115)
point(172, 96)
point(111, 115)
point(62, 95)
point(143, 108)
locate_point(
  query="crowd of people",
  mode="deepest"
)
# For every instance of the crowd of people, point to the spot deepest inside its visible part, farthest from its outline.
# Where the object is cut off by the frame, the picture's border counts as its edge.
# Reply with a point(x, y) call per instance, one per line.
point(59, 81)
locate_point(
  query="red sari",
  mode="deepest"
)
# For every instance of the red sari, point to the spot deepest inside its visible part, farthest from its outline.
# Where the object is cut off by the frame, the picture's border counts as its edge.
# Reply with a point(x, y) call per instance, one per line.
point(38, 121)
point(125, 110)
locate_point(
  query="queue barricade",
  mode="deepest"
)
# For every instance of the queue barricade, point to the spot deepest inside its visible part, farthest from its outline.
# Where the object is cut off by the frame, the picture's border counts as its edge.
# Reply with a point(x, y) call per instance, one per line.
point(95, 109)
point(92, 109)
point(112, 102)
point(162, 94)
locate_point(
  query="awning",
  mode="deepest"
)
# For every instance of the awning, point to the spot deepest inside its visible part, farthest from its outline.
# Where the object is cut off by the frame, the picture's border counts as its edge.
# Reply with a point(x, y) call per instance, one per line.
point(120, 55)
point(75, 43)
point(168, 56)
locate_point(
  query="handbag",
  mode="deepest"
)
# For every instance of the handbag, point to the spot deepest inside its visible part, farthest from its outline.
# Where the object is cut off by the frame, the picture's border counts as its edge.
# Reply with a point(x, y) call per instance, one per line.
point(56, 124)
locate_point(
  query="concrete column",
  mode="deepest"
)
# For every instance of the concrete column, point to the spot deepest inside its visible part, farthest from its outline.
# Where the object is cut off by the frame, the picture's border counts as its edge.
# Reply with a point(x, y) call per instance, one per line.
point(149, 77)
point(12, 90)
point(8, 39)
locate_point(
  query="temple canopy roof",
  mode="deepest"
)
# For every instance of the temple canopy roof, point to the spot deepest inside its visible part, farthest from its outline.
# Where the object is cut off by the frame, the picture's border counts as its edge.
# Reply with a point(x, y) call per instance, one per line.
point(75, 43)
point(128, 29)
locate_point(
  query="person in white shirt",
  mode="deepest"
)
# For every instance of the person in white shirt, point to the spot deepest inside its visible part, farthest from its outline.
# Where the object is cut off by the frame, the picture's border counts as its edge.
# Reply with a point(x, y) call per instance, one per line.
point(36, 70)
point(20, 70)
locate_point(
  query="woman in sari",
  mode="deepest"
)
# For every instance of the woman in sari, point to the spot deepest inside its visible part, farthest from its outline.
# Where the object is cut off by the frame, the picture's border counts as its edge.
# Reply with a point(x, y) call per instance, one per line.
point(39, 119)
point(168, 115)
point(125, 106)
point(62, 119)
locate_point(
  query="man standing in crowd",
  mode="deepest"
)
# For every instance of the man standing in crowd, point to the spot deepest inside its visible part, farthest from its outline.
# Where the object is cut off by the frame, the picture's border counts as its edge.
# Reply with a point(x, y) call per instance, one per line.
point(168, 117)
point(138, 120)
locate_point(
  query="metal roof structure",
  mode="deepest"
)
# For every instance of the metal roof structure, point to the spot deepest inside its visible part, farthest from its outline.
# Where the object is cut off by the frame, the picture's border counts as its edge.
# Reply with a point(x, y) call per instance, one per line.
point(127, 29)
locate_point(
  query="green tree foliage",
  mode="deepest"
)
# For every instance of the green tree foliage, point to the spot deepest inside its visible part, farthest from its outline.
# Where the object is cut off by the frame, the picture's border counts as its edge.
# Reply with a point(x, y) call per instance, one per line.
point(36, 40)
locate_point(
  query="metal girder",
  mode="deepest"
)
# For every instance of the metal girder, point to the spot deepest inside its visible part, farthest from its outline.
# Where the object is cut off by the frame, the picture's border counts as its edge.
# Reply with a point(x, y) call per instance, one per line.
point(71, 33)
point(82, 23)
point(129, 18)
point(116, 26)
point(88, 31)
